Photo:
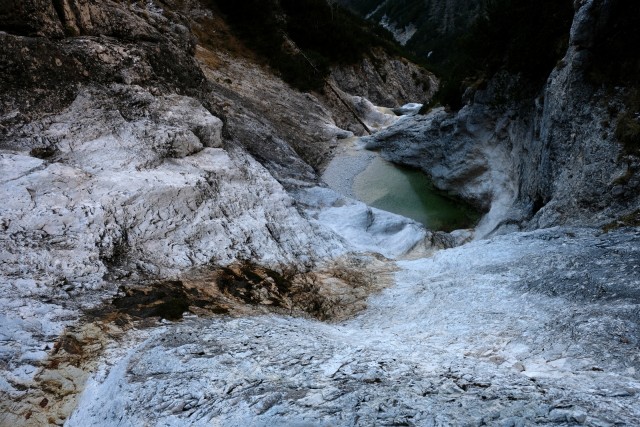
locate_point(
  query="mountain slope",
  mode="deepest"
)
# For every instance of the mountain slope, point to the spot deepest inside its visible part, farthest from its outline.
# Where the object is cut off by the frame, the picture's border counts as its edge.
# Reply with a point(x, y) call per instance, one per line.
point(427, 28)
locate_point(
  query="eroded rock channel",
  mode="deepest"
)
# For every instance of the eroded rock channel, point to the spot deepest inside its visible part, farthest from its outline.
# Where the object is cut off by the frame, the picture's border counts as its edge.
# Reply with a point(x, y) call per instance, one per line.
point(170, 254)
point(366, 176)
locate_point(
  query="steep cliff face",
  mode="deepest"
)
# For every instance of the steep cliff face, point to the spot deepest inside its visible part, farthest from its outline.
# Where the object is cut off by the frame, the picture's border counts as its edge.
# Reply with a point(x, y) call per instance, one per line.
point(548, 161)
point(379, 78)
point(385, 80)
point(426, 27)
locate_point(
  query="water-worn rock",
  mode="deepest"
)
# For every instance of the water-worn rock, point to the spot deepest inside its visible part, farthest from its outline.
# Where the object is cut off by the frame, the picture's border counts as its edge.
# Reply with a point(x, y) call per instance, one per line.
point(553, 160)
point(289, 132)
point(475, 335)
point(132, 186)
point(152, 181)
point(186, 174)
point(129, 156)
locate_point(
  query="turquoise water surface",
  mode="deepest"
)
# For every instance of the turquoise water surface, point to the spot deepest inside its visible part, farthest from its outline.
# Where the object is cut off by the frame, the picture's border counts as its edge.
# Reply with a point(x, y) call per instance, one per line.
point(408, 192)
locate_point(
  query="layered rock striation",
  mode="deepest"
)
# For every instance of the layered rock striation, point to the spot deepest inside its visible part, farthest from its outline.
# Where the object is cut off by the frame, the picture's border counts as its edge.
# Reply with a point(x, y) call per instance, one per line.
point(535, 163)
point(136, 156)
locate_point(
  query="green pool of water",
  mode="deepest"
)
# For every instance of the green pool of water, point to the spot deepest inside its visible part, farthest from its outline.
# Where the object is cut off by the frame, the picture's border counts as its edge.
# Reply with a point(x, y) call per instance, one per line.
point(408, 192)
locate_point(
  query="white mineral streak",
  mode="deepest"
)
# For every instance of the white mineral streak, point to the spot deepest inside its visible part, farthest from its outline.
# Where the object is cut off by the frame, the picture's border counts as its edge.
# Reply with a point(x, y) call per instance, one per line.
point(401, 34)
point(459, 340)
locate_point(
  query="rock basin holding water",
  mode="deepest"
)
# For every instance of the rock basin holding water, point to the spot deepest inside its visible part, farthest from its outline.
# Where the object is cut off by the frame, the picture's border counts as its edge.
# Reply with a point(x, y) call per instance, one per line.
point(409, 193)
point(364, 175)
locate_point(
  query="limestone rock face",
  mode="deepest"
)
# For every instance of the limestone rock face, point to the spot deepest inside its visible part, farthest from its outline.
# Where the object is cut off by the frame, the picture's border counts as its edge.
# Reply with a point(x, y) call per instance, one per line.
point(139, 180)
point(386, 81)
point(42, 75)
point(582, 168)
point(126, 186)
point(549, 161)
point(289, 132)
point(380, 79)
point(127, 156)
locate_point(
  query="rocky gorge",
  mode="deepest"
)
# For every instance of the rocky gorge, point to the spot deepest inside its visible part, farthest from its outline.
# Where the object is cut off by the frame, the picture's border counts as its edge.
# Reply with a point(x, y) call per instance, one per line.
point(170, 254)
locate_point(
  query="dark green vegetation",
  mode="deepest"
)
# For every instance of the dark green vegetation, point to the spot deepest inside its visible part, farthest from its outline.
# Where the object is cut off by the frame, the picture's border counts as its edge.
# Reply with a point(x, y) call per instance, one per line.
point(628, 123)
point(522, 37)
point(437, 24)
point(615, 58)
point(325, 36)
point(465, 42)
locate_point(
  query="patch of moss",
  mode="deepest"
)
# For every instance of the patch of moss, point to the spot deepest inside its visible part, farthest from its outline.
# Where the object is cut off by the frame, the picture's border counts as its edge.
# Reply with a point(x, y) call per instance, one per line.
point(629, 220)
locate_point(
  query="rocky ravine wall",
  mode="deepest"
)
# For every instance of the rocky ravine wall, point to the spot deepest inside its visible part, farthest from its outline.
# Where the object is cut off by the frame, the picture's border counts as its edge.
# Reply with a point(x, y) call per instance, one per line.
point(132, 152)
point(98, 90)
point(409, 20)
point(380, 79)
point(553, 160)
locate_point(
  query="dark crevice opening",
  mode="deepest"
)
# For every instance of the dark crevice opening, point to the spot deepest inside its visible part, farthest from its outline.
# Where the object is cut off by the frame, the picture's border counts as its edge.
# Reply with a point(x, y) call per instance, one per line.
point(58, 6)
point(538, 203)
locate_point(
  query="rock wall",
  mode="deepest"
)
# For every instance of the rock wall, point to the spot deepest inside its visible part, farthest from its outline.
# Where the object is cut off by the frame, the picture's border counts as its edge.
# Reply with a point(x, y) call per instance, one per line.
point(141, 184)
point(537, 163)
point(111, 115)
point(419, 24)
point(386, 81)
point(380, 79)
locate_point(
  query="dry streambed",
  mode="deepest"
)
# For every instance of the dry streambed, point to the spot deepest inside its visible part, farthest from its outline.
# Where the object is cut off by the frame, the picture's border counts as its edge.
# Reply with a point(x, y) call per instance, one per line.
point(524, 329)
point(334, 292)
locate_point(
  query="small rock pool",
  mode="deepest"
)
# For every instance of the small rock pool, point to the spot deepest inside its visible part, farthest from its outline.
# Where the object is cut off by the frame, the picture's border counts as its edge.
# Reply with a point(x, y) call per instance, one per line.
point(408, 192)
point(364, 175)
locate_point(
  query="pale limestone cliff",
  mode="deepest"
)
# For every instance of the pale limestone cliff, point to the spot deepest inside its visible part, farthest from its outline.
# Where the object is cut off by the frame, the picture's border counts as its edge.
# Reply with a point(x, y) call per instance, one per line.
point(535, 163)
point(133, 154)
